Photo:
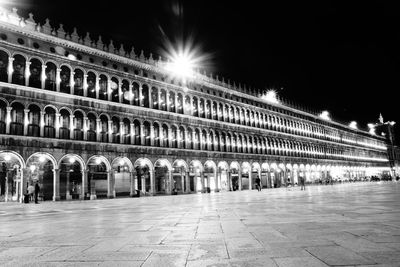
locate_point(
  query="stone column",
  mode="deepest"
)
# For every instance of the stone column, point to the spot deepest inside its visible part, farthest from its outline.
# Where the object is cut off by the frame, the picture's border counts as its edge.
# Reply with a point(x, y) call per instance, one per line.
point(110, 131)
point(85, 85)
point(140, 96)
point(8, 120)
point(183, 181)
point(58, 79)
point(250, 179)
point(27, 72)
point(143, 184)
point(41, 124)
point(84, 184)
point(97, 87)
point(217, 175)
point(43, 77)
point(152, 183)
point(230, 181)
point(131, 96)
point(98, 130)
point(170, 137)
point(202, 182)
point(240, 179)
point(132, 191)
point(85, 128)
point(167, 102)
point(67, 191)
point(121, 132)
point(109, 91)
point(161, 136)
point(142, 136)
point(92, 188)
point(151, 135)
point(110, 178)
point(57, 122)
point(132, 133)
point(71, 127)
point(119, 91)
point(187, 178)
point(171, 184)
point(72, 83)
point(56, 184)
point(10, 69)
point(26, 121)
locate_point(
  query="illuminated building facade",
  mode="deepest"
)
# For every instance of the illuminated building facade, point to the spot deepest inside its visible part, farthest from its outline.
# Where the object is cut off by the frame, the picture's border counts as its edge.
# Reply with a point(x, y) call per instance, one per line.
point(88, 120)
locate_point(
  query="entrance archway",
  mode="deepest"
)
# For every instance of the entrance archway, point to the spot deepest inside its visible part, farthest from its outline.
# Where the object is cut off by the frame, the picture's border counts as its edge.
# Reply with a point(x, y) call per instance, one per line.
point(122, 176)
point(265, 177)
point(210, 180)
point(98, 177)
point(180, 172)
point(144, 175)
point(196, 174)
point(41, 170)
point(246, 174)
point(235, 170)
point(71, 169)
point(223, 176)
point(11, 176)
point(163, 184)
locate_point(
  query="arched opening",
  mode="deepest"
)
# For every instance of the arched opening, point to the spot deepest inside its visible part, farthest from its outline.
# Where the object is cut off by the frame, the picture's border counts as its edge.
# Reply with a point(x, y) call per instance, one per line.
point(3, 116)
point(18, 75)
point(255, 173)
point(202, 109)
point(156, 137)
point(223, 176)
point(196, 139)
point(135, 94)
point(235, 168)
point(114, 89)
point(97, 177)
point(92, 128)
point(137, 139)
point(172, 104)
point(163, 185)
point(49, 122)
point(104, 128)
point(115, 130)
point(34, 121)
point(103, 87)
point(174, 137)
point(180, 104)
point(195, 111)
point(195, 181)
point(64, 124)
point(91, 84)
point(50, 82)
point(123, 182)
point(3, 66)
point(65, 76)
point(166, 136)
point(208, 110)
point(210, 182)
point(143, 168)
point(187, 105)
point(41, 170)
point(70, 178)
point(181, 181)
point(17, 119)
point(265, 177)
point(182, 137)
point(10, 176)
point(145, 96)
point(126, 131)
point(126, 94)
point(147, 133)
point(78, 82)
point(163, 100)
point(35, 70)
point(78, 125)
point(204, 140)
point(214, 111)
point(154, 98)
point(189, 139)
point(246, 169)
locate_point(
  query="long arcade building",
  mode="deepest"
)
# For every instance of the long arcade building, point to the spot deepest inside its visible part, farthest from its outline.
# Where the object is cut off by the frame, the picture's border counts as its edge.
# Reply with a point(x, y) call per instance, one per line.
point(89, 120)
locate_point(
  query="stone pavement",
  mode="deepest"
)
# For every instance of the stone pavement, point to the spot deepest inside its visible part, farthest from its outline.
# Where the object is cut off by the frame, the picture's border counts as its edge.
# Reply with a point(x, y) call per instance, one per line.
point(354, 224)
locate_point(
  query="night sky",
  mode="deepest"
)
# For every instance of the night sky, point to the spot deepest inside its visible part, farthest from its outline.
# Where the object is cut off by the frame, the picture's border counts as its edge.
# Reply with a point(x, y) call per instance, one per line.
point(337, 56)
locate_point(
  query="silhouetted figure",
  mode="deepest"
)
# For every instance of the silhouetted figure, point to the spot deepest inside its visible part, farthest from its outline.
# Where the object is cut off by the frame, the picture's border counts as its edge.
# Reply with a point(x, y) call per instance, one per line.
point(258, 184)
point(37, 190)
point(302, 183)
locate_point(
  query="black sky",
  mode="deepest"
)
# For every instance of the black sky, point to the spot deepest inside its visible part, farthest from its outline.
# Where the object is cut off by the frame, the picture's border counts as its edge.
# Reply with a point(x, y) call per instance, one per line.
point(340, 56)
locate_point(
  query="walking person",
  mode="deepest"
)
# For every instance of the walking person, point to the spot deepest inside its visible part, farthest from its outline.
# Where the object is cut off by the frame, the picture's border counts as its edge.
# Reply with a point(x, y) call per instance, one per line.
point(258, 184)
point(302, 183)
point(37, 190)
point(31, 192)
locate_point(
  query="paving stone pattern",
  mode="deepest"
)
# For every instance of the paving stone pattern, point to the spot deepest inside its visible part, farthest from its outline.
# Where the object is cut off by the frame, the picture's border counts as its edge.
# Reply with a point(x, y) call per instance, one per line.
point(355, 224)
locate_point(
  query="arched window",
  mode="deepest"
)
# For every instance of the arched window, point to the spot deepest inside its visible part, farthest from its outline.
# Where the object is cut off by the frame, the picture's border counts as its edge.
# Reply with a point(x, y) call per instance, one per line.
point(154, 97)
point(50, 83)
point(65, 76)
point(174, 137)
point(35, 70)
point(172, 104)
point(195, 110)
point(126, 94)
point(115, 130)
point(138, 132)
point(180, 104)
point(165, 135)
point(156, 137)
point(126, 131)
point(49, 122)
point(147, 133)
point(114, 90)
point(17, 119)
point(135, 94)
point(104, 129)
point(91, 84)
point(78, 82)
point(103, 85)
point(163, 100)
point(64, 124)
point(18, 75)
point(92, 128)
point(3, 115)
point(34, 121)
point(3, 66)
point(145, 96)
point(78, 123)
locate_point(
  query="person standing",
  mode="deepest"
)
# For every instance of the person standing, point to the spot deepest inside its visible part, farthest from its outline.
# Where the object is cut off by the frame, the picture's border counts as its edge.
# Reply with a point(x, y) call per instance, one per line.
point(302, 183)
point(31, 192)
point(37, 190)
point(258, 184)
